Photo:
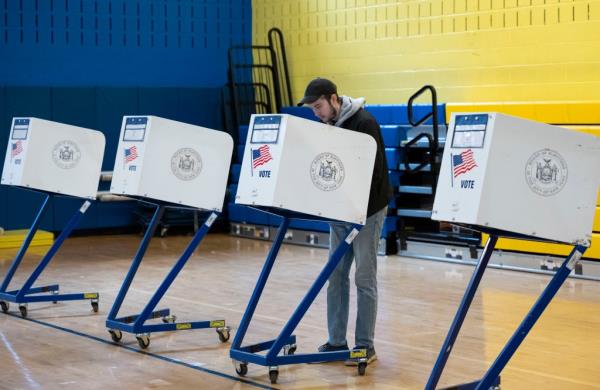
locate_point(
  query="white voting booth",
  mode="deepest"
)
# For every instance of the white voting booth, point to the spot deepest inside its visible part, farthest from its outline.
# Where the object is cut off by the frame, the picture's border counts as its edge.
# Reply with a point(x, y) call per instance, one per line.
point(168, 164)
point(294, 164)
point(53, 157)
point(305, 166)
point(513, 177)
point(520, 176)
point(172, 161)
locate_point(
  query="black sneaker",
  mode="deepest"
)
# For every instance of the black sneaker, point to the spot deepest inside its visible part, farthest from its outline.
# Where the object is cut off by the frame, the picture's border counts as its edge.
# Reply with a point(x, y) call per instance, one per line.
point(371, 356)
point(332, 348)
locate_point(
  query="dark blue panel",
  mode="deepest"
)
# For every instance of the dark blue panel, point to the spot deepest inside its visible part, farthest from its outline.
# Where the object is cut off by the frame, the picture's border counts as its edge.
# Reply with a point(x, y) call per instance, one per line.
point(28, 101)
point(315, 226)
point(22, 207)
point(235, 173)
point(243, 134)
point(74, 106)
point(240, 154)
point(116, 214)
point(111, 105)
point(65, 207)
point(201, 106)
point(163, 102)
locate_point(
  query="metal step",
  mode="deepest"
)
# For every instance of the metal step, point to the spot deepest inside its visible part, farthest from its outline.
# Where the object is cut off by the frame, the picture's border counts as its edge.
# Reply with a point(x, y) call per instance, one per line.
point(426, 168)
point(414, 213)
point(423, 143)
point(415, 190)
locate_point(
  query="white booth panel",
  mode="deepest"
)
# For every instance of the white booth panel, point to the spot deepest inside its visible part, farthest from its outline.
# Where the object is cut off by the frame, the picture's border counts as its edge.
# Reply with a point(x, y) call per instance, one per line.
point(53, 157)
point(309, 167)
point(518, 175)
point(171, 161)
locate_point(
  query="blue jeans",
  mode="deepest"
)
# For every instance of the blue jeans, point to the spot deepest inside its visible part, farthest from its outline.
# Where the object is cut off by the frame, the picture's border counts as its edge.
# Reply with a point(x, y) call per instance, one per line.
point(364, 250)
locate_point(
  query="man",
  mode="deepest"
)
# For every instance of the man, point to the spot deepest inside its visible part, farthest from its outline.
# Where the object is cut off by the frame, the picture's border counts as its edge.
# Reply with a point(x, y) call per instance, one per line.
point(342, 111)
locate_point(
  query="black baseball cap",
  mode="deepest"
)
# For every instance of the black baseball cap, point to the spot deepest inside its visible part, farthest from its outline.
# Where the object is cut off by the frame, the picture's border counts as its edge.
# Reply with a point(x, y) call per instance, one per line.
point(317, 88)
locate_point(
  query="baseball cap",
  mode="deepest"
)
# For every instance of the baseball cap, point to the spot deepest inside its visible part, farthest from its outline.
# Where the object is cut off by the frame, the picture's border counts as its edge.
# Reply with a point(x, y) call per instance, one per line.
point(317, 88)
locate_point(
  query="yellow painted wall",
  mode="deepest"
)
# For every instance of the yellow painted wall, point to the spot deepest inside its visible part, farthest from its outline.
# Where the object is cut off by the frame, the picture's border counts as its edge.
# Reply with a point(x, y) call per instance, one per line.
point(470, 50)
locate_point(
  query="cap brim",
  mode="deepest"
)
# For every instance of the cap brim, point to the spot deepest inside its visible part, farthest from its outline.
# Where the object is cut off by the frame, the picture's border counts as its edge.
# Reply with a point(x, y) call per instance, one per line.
point(307, 100)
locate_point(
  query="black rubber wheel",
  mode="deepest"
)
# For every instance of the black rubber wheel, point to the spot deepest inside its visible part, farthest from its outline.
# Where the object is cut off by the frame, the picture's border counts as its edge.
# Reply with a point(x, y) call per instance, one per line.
point(223, 335)
point(273, 375)
point(95, 307)
point(241, 369)
point(4, 306)
point(143, 341)
point(290, 350)
point(23, 310)
point(362, 369)
point(55, 292)
point(116, 335)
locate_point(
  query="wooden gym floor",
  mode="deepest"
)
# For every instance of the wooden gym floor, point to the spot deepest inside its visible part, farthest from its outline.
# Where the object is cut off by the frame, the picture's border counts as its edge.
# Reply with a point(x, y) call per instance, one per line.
point(66, 346)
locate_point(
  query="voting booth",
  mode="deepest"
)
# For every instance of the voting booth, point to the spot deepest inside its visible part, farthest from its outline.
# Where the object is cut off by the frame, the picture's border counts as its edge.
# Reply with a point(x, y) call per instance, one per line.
point(286, 156)
point(173, 162)
point(50, 158)
point(293, 165)
point(512, 177)
point(168, 164)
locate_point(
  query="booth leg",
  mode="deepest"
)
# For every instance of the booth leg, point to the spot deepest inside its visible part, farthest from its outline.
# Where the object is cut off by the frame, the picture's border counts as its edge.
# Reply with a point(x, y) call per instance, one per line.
point(459, 318)
point(531, 317)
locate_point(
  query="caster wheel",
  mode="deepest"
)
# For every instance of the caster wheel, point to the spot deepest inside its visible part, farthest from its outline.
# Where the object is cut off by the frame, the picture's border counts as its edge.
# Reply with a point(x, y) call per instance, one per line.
point(289, 349)
point(143, 340)
point(95, 306)
point(273, 375)
point(23, 310)
point(241, 368)
point(362, 368)
point(5, 306)
point(169, 319)
point(55, 292)
point(223, 334)
point(116, 335)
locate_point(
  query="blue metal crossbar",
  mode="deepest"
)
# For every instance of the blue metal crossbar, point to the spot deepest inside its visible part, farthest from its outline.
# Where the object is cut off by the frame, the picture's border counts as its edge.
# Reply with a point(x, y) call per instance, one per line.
point(286, 341)
point(24, 295)
point(136, 323)
point(491, 379)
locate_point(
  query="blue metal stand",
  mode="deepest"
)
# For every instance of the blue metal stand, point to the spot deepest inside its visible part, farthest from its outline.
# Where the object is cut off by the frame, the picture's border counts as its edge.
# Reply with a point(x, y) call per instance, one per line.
point(286, 341)
point(23, 296)
point(491, 379)
point(136, 323)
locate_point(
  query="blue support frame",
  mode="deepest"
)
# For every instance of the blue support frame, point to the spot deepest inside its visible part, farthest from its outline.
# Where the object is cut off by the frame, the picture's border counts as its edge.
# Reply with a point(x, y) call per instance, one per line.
point(286, 341)
point(24, 295)
point(491, 379)
point(136, 323)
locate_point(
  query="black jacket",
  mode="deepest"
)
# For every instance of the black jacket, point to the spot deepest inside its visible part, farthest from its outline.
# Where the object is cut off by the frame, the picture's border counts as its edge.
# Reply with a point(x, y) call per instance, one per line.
point(381, 190)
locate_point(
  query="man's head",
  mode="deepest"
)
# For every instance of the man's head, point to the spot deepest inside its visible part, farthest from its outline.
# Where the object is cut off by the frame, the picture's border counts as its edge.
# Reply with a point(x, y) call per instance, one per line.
point(321, 96)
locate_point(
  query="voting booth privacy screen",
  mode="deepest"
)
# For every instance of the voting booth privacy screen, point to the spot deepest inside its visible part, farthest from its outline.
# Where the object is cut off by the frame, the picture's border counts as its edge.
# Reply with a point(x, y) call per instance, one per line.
point(172, 161)
point(520, 176)
point(305, 166)
point(53, 157)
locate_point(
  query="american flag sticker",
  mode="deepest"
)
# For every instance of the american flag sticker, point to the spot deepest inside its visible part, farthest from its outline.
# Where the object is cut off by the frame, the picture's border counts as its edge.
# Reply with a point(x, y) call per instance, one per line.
point(261, 156)
point(463, 163)
point(130, 154)
point(16, 148)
